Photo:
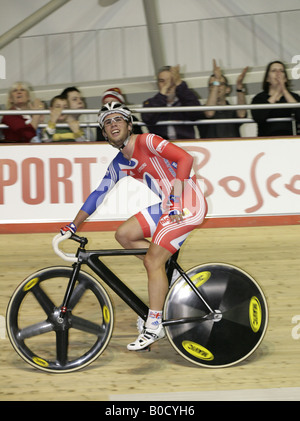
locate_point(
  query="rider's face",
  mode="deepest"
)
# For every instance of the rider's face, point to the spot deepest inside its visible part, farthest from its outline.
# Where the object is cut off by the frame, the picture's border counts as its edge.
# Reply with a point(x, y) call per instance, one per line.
point(116, 129)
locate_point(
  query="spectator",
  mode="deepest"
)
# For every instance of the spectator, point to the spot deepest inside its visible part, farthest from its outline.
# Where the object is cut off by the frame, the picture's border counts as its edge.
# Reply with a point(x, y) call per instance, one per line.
point(275, 91)
point(77, 102)
point(115, 94)
point(173, 92)
point(61, 134)
point(21, 128)
point(218, 91)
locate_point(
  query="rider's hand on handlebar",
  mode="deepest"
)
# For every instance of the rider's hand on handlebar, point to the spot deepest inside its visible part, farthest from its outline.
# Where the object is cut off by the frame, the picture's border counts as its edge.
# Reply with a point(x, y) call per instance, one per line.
point(70, 227)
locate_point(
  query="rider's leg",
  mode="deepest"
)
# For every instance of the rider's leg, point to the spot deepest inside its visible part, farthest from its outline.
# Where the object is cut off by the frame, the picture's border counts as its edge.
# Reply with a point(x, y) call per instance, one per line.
point(133, 232)
point(130, 235)
point(154, 262)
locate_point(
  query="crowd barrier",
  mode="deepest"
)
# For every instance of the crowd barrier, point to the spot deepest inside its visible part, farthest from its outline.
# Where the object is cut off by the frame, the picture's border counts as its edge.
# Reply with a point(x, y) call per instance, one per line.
point(141, 110)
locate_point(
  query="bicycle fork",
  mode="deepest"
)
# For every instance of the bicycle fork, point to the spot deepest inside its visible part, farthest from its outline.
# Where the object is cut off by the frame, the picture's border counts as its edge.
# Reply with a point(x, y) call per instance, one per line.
point(69, 291)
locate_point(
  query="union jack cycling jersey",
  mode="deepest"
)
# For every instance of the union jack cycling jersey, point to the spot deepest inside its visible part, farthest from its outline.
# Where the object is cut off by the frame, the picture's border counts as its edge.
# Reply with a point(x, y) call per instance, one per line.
point(157, 163)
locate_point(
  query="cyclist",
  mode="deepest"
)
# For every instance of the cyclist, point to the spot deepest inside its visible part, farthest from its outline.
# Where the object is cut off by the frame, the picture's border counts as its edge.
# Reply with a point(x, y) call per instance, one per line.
point(165, 168)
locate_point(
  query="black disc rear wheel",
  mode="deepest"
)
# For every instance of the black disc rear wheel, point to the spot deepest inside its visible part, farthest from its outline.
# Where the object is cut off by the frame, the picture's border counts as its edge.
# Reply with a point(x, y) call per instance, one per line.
point(235, 328)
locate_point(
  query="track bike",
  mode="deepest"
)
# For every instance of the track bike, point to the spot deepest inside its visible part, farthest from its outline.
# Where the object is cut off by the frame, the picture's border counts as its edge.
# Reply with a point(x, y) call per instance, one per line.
point(60, 319)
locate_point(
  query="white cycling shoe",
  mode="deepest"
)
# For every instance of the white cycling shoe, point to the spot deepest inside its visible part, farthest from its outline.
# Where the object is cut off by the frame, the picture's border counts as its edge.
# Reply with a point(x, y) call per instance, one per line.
point(146, 338)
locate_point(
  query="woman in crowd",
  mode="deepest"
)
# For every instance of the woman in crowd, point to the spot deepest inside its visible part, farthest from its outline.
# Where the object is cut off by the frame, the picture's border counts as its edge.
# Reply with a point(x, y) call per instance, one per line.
point(275, 91)
point(21, 128)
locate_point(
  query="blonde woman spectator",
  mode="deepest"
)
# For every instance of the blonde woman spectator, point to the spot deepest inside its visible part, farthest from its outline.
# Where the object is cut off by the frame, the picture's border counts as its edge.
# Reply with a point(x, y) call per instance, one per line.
point(21, 128)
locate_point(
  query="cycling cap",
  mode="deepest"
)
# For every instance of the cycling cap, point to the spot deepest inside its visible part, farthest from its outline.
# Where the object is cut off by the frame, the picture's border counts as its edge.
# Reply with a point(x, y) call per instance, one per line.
point(112, 108)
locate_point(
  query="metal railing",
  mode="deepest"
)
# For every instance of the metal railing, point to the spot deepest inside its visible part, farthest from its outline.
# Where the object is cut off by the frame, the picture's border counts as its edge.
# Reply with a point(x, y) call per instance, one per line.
point(140, 110)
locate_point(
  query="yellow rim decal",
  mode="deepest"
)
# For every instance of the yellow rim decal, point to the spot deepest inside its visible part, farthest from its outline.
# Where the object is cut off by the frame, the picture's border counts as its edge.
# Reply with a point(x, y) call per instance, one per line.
point(255, 314)
point(200, 278)
point(106, 314)
point(197, 350)
point(30, 284)
point(40, 361)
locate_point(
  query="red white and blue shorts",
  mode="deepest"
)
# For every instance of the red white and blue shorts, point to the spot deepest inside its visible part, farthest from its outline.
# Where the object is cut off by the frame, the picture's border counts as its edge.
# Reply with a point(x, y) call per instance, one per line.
point(170, 235)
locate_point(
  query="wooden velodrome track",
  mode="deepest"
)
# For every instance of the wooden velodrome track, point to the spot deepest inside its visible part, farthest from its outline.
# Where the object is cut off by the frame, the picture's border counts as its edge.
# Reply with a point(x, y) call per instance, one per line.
point(269, 254)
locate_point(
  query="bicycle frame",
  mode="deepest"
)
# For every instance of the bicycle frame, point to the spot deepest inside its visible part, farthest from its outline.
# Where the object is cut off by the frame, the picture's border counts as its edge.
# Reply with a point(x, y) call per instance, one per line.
point(91, 259)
